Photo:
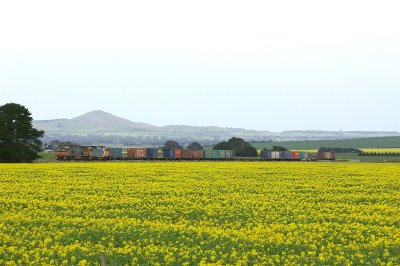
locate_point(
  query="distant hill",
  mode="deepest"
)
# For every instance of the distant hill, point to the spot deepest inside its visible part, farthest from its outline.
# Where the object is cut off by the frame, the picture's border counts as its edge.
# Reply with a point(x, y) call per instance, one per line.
point(95, 121)
point(99, 127)
point(105, 120)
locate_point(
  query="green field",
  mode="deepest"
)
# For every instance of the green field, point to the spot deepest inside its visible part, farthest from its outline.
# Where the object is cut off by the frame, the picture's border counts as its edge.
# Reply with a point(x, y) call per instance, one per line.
point(355, 157)
point(46, 157)
point(380, 142)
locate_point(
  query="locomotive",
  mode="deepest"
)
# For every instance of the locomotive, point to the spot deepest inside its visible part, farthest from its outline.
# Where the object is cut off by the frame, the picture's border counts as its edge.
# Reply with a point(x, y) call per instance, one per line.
point(85, 153)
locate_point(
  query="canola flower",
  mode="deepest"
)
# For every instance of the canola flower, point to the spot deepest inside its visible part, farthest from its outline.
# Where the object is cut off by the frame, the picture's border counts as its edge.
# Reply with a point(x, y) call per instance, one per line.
point(218, 213)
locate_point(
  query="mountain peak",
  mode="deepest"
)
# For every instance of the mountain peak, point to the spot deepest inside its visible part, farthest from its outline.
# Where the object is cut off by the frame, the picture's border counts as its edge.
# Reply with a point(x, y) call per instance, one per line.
point(102, 119)
point(96, 115)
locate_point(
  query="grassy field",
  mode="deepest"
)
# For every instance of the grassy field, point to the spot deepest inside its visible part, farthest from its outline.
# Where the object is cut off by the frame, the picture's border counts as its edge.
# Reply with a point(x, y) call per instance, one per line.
point(355, 157)
point(46, 157)
point(197, 213)
point(380, 142)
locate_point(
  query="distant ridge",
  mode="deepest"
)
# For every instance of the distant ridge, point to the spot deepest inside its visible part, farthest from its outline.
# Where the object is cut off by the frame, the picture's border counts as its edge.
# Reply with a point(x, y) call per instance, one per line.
point(101, 127)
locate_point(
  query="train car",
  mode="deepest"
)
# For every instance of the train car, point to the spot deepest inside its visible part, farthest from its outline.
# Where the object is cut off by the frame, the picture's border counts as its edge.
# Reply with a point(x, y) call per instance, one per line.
point(71, 152)
point(116, 153)
point(130, 153)
point(98, 152)
point(168, 154)
point(287, 155)
point(295, 155)
point(81, 153)
point(152, 153)
point(178, 154)
point(266, 155)
point(214, 154)
point(137, 153)
point(326, 155)
point(219, 154)
point(198, 154)
point(276, 155)
point(313, 156)
point(62, 152)
point(304, 156)
point(187, 154)
point(160, 154)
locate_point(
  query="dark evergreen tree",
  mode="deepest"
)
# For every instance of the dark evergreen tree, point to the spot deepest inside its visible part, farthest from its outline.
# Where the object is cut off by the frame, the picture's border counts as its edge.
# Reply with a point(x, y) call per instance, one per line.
point(195, 146)
point(279, 148)
point(170, 144)
point(222, 146)
point(241, 147)
point(247, 152)
point(19, 141)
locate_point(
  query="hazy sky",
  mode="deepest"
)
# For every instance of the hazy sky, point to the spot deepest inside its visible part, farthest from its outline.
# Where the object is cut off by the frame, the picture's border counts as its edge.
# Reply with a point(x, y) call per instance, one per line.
point(273, 65)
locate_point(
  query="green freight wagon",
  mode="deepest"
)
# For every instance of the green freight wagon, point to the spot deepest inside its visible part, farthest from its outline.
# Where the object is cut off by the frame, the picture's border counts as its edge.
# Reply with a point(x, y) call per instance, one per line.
point(215, 154)
point(219, 154)
point(304, 156)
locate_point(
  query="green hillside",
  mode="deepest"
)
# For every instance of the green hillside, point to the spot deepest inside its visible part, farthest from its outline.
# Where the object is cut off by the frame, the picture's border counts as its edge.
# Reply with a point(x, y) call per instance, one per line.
point(379, 142)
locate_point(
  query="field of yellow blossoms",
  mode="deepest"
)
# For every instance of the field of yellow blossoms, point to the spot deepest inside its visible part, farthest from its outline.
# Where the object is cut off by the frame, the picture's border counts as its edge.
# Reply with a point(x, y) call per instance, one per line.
point(187, 213)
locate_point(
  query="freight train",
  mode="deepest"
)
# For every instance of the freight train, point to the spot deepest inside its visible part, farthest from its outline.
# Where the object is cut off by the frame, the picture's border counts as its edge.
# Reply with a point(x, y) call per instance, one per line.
point(95, 153)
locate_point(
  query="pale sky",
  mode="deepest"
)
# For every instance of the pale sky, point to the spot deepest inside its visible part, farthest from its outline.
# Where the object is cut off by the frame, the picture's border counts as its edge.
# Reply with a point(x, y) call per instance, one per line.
point(271, 65)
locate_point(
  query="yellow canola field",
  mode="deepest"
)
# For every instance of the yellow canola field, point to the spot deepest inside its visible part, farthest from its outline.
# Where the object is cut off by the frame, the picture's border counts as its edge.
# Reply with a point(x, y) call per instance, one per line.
point(382, 150)
point(240, 213)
